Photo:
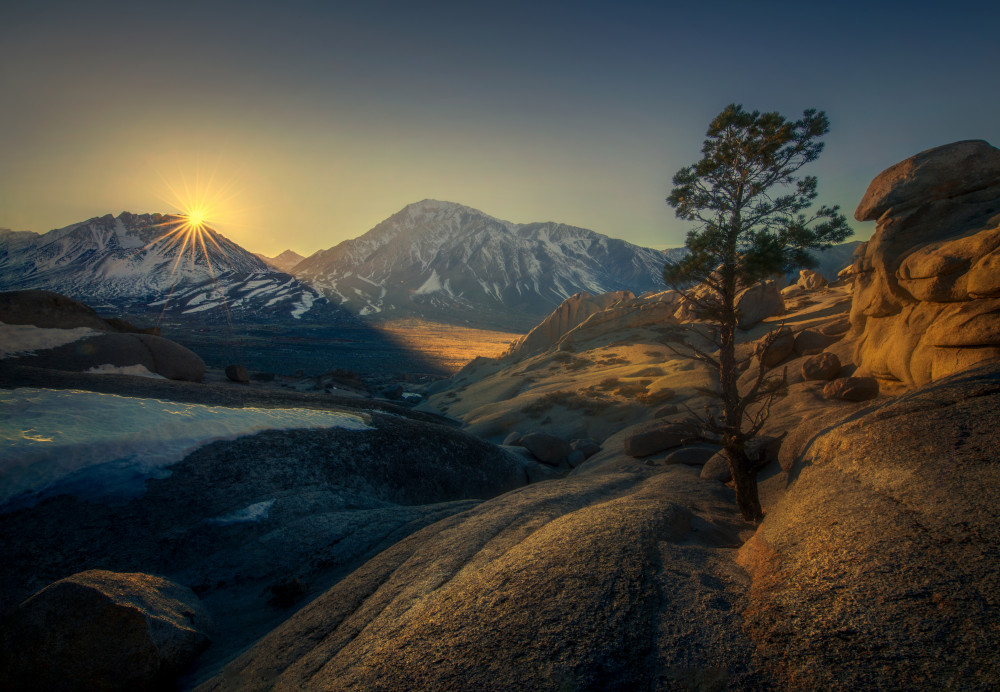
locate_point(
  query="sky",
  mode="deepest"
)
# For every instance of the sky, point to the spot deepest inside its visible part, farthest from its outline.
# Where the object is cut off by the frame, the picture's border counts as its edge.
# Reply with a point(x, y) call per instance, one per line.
point(302, 124)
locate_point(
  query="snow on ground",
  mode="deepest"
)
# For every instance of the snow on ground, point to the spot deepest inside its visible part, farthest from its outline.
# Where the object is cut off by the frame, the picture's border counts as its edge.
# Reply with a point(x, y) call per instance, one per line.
point(91, 444)
point(255, 512)
point(21, 339)
point(137, 370)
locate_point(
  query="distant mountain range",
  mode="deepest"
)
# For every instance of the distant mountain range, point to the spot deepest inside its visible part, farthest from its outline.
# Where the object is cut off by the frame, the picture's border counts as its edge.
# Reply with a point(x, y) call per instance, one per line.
point(137, 263)
point(433, 260)
point(446, 261)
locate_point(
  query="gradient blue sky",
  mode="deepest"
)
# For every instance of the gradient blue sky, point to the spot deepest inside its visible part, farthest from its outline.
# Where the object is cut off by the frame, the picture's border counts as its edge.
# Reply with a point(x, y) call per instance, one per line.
point(323, 118)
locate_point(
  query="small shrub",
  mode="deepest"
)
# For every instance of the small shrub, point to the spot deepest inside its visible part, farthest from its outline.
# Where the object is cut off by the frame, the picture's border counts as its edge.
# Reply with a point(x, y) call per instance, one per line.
point(607, 384)
point(577, 364)
point(653, 371)
point(633, 389)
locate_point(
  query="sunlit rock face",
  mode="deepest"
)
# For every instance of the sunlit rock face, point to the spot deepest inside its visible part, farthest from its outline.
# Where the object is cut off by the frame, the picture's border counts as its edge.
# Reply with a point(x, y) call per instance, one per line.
point(927, 292)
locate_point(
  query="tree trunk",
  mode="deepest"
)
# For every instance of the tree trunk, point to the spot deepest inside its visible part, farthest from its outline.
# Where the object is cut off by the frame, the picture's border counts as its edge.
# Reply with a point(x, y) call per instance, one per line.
point(745, 478)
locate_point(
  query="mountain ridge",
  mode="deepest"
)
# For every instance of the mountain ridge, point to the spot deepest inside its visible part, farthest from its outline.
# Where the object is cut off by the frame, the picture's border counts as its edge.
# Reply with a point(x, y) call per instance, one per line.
point(444, 260)
point(141, 263)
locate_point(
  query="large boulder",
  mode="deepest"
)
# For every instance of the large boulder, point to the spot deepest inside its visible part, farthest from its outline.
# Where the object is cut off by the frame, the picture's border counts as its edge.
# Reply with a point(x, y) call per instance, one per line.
point(773, 348)
point(548, 449)
point(51, 310)
point(758, 302)
point(656, 437)
point(810, 280)
point(717, 468)
point(811, 341)
point(822, 366)
point(926, 297)
point(935, 174)
point(100, 630)
point(156, 354)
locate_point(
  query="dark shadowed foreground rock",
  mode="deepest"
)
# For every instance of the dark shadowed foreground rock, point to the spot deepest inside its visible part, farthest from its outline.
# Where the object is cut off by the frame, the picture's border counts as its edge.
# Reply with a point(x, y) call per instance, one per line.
point(156, 354)
point(548, 449)
point(237, 373)
point(101, 630)
point(49, 310)
point(717, 469)
point(264, 522)
point(594, 582)
point(879, 569)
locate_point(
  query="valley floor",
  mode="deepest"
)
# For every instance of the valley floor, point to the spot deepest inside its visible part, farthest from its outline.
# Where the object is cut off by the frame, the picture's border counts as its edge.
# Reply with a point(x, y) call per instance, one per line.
point(445, 345)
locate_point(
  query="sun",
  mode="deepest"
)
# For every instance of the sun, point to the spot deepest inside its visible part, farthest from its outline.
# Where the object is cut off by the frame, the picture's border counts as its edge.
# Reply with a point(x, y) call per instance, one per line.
point(196, 218)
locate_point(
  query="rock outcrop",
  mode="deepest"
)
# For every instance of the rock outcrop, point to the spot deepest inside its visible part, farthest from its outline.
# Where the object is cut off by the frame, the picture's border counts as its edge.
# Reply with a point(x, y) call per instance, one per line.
point(598, 582)
point(758, 302)
point(103, 630)
point(878, 569)
point(116, 343)
point(572, 312)
point(927, 285)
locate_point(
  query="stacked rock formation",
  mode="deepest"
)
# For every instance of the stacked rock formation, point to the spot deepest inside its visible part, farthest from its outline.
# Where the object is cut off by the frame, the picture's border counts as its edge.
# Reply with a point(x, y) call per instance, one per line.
point(927, 289)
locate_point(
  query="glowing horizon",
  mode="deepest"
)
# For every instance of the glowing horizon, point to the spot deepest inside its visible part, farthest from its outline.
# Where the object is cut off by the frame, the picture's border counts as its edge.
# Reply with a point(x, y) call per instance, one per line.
point(334, 117)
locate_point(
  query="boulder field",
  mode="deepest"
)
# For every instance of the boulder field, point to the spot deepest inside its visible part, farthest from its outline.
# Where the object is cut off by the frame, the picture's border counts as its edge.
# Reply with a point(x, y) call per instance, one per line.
point(420, 556)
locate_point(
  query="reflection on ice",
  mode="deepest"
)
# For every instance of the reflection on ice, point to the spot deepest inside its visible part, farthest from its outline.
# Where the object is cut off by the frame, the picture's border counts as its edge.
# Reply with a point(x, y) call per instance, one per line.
point(93, 444)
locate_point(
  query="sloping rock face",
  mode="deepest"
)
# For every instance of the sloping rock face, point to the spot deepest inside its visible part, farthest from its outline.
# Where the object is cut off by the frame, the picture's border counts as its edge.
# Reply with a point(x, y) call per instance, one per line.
point(570, 313)
point(103, 630)
point(878, 570)
point(594, 582)
point(927, 287)
point(262, 522)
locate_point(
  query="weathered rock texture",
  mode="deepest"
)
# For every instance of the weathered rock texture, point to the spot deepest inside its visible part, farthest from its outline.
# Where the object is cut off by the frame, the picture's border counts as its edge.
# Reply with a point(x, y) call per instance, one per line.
point(927, 287)
point(878, 570)
point(595, 582)
point(100, 630)
point(572, 312)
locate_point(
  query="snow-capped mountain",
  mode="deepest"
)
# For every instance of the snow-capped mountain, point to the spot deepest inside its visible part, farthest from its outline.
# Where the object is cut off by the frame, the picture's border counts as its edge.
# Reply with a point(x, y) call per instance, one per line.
point(283, 262)
point(144, 263)
point(449, 262)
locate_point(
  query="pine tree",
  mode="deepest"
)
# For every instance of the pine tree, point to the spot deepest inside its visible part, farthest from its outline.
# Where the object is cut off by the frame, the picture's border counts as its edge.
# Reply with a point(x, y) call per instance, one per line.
point(750, 210)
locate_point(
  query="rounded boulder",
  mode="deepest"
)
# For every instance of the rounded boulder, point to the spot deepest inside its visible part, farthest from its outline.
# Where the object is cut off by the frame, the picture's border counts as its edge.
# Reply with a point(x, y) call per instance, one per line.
point(104, 630)
point(548, 449)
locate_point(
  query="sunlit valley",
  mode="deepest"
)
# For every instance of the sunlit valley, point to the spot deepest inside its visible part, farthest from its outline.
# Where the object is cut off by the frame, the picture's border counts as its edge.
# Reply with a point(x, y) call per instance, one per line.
point(397, 347)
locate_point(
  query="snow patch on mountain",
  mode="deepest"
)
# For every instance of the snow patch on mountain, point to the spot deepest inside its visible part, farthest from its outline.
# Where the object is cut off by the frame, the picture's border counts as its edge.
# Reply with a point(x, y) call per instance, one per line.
point(450, 262)
point(148, 261)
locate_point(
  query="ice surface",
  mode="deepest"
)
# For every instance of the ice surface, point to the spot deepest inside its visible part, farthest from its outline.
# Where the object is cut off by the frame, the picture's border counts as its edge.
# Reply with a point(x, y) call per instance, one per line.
point(20, 339)
point(92, 444)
